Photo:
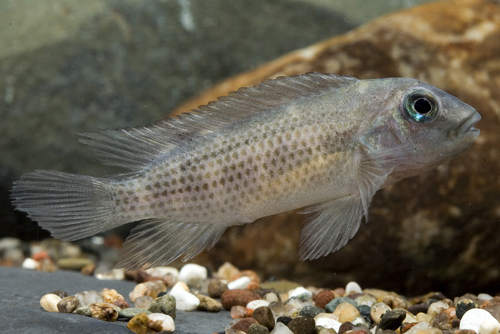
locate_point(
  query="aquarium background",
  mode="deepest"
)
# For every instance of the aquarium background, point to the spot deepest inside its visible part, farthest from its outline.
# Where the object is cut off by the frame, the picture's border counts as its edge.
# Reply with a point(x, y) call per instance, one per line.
point(70, 66)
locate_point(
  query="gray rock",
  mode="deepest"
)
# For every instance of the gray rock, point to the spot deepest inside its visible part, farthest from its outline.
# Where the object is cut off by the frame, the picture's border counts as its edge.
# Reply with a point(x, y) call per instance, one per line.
point(392, 319)
point(131, 312)
point(164, 304)
point(331, 306)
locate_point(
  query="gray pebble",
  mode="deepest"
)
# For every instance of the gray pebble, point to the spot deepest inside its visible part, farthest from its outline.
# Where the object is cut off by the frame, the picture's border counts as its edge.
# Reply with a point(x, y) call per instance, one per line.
point(257, 329)
point(392, 319)
point(310, 311)
point(131, 312)
point(164, 304)
point(68, 304)
point(463, 306)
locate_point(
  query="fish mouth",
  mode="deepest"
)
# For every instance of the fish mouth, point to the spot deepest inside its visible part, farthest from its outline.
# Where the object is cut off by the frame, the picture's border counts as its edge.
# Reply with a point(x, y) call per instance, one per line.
point(466, 128)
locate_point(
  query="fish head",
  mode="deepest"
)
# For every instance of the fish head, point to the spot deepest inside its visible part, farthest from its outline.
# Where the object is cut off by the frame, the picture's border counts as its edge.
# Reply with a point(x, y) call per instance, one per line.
point(434, 125)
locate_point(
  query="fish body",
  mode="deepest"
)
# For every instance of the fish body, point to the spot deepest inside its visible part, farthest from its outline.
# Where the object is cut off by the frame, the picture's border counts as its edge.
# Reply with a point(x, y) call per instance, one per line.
point(320, 141)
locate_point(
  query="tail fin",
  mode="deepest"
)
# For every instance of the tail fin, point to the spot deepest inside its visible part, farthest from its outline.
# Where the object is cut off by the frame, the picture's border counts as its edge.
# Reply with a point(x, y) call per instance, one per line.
point(70, 206)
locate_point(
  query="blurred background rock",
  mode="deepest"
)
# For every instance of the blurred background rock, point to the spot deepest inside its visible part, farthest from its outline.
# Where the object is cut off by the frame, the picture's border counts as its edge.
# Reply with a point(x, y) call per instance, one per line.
point(71, 66)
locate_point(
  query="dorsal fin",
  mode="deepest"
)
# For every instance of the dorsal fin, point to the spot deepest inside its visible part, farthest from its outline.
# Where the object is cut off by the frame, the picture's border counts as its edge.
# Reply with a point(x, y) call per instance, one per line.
point(135, 148)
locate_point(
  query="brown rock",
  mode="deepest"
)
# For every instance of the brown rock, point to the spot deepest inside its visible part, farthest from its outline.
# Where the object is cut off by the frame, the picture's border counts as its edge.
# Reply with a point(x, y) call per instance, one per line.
point(244, 324)
point(240, 297)
point(216, 288)
point(264, 316)
point(454, 46)
point(302, 325)
point(323, 298)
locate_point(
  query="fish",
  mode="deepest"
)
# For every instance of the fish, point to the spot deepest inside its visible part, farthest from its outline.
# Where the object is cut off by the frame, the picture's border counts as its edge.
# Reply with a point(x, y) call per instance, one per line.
point(323, 142)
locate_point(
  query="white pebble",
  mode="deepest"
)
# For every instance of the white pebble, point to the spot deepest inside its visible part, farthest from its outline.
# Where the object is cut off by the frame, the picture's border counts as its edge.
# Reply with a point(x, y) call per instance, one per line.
point(254, 304)
point(184, 300)
point(30, 264)
point(352, 287)
point(161, 322)
point(163, 271)
point(418, 327)
point(327, 320)
point(49, 302)
point(484, 296)
point(360, 321)
point(437, 307)
point(271, 297)
point(480, 321)
point(281, 328)
point(193, 274)
point(300, 293)
point(240, 283)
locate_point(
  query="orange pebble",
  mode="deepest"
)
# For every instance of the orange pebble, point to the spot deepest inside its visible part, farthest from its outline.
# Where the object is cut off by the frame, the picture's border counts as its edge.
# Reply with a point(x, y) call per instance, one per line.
point(40, 256)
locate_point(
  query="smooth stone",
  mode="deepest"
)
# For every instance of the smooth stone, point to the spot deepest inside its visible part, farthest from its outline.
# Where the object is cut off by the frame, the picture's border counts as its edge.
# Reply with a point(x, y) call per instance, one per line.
point(216, 288)
point(226, 271)
point(240, 283)
point(301, 293)
point(113, 297)
point(310, 311)
point(328, 320)
point(364, 311)
point(257, 329)
point(144, 302)
point(61, 293)
point(480, 321)
point(83, 310)
point(352, 287)
point(302, 325)
point(162, 272)
point(323, 298)
point(346, 312)
point(85, 298)
point(30, 264)
point(165, 304)
point(424, 317)
point(139, 324)
point(378, 310)
point(73, 263)
point(324, 330)
point(284, 319)
point(437, 307)
point(49, 302)
point(264, 316)
point(68, 304)
point(419, 327)
point(159, 322)
point(346, 326)
point(281, 328)
point(254, 304)
point(463, 306)
point(244, 324)
point(361, 321)
point(193, 274)
point(366, 299)
point(208, 304)
point(131, 312)
point(417, 308)
point(392, 319)
point(331, 306)
point(271, 297)
point(231, 298)
point(150, 288)
point(104, 311)
point(185, 301)
point(484, 296)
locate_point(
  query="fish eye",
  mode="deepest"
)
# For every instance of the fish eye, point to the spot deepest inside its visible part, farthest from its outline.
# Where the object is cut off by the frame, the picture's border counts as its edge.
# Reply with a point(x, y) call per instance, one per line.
point(420, 107)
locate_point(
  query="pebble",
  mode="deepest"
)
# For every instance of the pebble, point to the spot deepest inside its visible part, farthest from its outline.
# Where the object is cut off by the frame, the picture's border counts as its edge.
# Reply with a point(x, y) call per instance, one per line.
point(424, 317)
point(164, 273)
point(323, 297)
point(331, 306)
point(73, 263)
point(109, 274)
point(281, 328)
point(113, 297)
point(216, 288)
point(264, 316)
point(327, 320)
point(301, 293)
point(60, 293)
point(68, 304)
point(392, 319)
point(417, 308)
point(144, 302)
point(185, 301)
point(151, 288)
point(165, 304)
point(103, 311)
point(257, 329)
point(284, 320)
point(480, 321)
point(293, 306)
point(364, 311)
point(208, 304)
point(441, 321)
point(419, 327)
point(271, 297)
point(227, 271)
point(366, 299)
point(159, 322)
point(49, 302)
point(346, 326)
point(352, 287)
point(494, 310)
point(240, 283)
point(463, 306)
point(484, 296)
point(257, 303)
point(131, 312)
point(378, 310)
point(85, 298)
point(139, 324)
point(30, 264)
point(280, 286)
point(238, 312)
point(437, 307)
point(231, 298)
point(302, 325)
point(310, 311)
point(346, 312)
point(244, 324)
point(193, 275)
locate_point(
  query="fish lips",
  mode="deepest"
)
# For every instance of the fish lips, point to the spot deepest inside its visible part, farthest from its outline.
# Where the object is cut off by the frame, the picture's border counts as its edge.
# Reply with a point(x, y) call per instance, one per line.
point(466, 129)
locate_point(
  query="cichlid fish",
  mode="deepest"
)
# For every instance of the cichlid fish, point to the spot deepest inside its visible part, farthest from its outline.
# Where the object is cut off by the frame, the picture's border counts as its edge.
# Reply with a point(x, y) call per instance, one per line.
point(320, 141)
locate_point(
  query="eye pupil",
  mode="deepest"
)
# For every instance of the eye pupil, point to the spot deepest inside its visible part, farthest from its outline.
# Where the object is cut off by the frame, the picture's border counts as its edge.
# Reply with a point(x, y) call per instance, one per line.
point(422, 106)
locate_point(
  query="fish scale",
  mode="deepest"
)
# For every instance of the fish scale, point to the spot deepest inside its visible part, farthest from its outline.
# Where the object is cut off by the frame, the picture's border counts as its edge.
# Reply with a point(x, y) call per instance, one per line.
point(319, 141)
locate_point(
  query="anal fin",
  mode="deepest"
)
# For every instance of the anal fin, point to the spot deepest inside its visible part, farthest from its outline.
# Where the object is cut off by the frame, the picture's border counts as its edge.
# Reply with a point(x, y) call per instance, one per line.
point(332, 226)
point(158, 242)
